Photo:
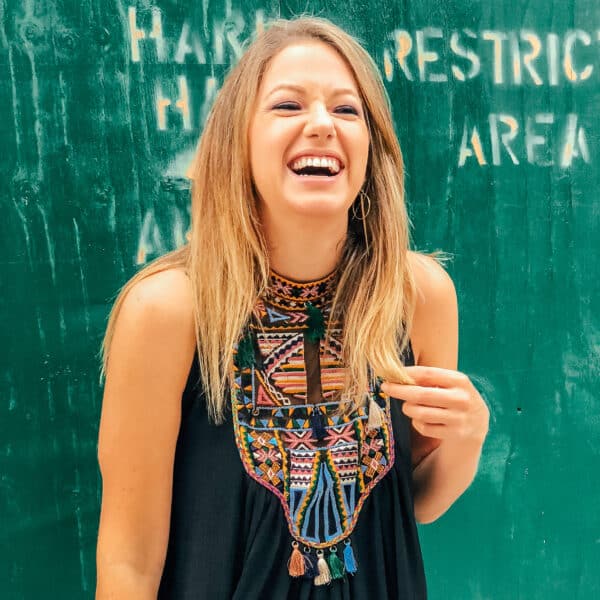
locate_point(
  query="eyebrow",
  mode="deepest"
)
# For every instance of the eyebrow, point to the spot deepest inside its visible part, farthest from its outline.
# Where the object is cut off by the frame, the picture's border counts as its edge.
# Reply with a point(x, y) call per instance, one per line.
point(299, 88)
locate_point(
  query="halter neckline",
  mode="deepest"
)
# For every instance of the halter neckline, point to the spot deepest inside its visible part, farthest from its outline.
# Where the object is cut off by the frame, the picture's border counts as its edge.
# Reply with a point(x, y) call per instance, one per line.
point(292, 293)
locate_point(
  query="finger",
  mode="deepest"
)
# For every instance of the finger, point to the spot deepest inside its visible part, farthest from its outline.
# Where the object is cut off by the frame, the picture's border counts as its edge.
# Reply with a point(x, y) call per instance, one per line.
point(415, 394)
point(437, 377)
point(431, 430)
point(429, 415)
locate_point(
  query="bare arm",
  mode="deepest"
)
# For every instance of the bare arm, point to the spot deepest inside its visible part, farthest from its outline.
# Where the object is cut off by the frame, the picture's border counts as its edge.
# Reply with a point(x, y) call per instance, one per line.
point(449, 417)
point(150, 358)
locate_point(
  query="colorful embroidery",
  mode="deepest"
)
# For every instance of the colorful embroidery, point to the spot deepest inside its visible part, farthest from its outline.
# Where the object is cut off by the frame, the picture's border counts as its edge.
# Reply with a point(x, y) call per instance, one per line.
point(320, 465)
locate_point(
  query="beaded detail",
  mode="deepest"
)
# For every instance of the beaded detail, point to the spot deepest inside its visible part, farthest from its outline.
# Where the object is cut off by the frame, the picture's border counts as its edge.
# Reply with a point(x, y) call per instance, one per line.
point(321, 466)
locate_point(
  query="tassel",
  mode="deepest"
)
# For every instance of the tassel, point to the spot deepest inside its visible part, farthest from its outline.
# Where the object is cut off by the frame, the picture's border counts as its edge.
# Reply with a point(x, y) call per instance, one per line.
point(317, 423)
point(296, 566)
point(245, 351)
point(336, 566)
point(315, 323)
point(349, 560)
point(324, 575)
point(310, 569)
point(375, 420)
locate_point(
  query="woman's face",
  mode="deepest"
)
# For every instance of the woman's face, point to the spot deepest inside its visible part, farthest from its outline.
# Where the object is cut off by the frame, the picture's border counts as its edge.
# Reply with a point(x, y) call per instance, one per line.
point(308, 137)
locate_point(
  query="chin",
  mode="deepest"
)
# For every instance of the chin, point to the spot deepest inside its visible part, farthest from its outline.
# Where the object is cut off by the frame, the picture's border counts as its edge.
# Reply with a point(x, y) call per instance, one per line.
point(325, 207)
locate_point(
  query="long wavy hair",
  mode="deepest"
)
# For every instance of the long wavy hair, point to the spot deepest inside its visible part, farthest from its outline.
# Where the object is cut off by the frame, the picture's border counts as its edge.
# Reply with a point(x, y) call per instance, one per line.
point(227, 260)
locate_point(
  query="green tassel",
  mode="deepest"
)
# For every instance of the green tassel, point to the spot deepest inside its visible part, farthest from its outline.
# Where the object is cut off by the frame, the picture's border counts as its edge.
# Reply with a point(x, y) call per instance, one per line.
point(245, 351)
point(316, 323)
point(336, 566)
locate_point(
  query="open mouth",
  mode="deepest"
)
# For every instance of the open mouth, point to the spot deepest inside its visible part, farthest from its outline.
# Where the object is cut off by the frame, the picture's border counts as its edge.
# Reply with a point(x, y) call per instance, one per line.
point(316, 167)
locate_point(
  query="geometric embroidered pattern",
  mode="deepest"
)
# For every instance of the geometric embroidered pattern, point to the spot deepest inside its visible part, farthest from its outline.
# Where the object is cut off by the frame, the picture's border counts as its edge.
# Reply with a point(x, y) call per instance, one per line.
point(321, 477)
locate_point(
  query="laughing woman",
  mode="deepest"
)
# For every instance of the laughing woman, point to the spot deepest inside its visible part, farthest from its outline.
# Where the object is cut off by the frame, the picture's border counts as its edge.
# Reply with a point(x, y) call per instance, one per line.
point(282, 404)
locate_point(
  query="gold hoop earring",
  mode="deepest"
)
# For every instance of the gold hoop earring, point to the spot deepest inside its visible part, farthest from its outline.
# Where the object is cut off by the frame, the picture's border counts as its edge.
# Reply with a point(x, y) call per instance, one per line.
point(362, 195)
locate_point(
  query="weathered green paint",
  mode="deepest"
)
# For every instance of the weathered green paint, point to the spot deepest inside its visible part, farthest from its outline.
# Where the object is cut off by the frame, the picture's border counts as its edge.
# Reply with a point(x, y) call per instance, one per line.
point(92, 185)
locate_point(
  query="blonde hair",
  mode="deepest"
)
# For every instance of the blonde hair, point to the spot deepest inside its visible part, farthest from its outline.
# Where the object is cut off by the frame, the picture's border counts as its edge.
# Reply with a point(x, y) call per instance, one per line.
point(226, 258)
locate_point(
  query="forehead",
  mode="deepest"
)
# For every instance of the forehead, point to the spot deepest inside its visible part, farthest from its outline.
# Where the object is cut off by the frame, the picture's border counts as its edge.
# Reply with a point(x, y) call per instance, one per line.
point(308, 63)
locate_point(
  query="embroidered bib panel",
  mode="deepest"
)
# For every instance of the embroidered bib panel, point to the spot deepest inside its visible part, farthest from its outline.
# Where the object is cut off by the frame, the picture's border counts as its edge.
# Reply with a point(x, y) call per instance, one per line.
point(320, 465)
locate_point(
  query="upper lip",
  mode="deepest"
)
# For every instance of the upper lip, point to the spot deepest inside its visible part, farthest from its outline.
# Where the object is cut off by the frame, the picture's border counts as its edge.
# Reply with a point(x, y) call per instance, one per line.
point(319, 153)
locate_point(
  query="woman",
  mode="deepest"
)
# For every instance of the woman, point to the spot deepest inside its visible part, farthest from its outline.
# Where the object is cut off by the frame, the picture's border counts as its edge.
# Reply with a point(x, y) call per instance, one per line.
point(251, 442)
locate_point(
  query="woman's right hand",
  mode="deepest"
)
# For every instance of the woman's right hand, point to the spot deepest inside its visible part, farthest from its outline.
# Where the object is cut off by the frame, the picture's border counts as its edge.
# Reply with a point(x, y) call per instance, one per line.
point(149, 361)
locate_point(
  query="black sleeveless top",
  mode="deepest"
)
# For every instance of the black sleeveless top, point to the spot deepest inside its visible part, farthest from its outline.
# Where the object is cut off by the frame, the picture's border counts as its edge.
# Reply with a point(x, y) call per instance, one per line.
point(229, 538)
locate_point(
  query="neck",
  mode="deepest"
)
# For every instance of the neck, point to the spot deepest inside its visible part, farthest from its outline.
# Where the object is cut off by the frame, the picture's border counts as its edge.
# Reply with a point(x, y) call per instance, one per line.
point(305, 252)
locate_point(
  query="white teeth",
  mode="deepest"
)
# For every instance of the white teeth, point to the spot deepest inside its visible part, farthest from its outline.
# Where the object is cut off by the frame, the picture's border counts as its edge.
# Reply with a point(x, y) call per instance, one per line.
point(315, 161)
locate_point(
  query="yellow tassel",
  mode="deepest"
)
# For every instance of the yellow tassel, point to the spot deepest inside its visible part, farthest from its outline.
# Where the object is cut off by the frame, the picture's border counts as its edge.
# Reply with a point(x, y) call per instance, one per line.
point(375, 420)
point(324, 575)
point(296, 563)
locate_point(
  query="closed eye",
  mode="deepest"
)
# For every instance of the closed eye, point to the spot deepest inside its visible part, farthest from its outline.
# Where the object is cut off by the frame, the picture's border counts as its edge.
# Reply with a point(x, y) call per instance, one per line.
point(287, 106)
point(346, 110)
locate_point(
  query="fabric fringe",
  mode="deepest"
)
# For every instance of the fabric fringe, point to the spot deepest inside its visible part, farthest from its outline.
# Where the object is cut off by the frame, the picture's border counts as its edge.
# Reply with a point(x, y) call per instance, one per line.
point(324, 575)
point(336, 566)
point(310, 568)
point(296, 564)
point(376, 415)
point(349, 559)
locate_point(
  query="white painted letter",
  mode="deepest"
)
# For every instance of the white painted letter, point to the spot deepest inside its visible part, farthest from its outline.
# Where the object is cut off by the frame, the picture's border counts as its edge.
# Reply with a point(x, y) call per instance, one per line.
point(575, 143)
point(497, 37)
point(403, 49)
point(529, 57)
point(466, 152)
point(182, 104)
point(135, 34)
point(156, 34)
point(184, 48)
point(233, 28)
point(388, 67)
point(553, 41)
point(570, 40)
point(464, 53)
point(161, 108)
point(516, 58)
point(428, 56)
point(506, 137)
point(532, 139)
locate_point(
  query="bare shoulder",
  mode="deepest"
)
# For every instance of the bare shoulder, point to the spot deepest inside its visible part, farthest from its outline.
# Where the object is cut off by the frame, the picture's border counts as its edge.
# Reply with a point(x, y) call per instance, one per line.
point(167, 294)
point(433, 281)
point(157, 320)
point(434, 334)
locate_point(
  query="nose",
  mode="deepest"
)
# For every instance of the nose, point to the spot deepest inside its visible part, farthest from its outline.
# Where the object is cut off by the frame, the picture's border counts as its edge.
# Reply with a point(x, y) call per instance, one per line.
point(319, 121)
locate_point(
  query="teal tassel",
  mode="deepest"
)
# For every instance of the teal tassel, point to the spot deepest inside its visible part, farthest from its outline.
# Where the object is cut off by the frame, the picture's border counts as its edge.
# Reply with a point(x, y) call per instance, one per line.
point(245, 351)
point(349, 560)
point(336, 566)
point(315, 323)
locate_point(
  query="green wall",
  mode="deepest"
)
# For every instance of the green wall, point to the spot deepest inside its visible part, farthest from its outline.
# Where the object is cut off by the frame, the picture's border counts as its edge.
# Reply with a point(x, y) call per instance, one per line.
point(496, 105)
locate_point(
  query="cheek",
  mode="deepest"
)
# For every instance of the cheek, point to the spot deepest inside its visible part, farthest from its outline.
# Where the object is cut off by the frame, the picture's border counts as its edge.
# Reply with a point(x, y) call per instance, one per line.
point(362, 156)
point(361, 142)
point(257, 153)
